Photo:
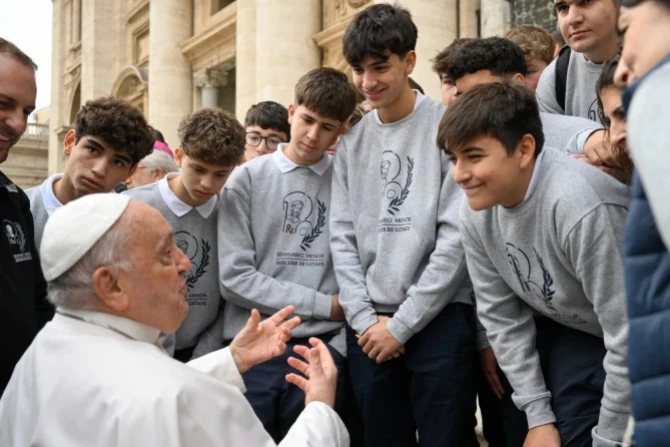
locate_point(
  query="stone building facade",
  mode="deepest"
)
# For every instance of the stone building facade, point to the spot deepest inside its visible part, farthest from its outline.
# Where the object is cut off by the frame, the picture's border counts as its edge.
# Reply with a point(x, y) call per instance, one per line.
point(169, 57)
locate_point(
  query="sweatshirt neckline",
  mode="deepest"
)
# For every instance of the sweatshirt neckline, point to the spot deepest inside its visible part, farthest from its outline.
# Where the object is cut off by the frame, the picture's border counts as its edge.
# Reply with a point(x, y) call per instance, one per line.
point(408, 119)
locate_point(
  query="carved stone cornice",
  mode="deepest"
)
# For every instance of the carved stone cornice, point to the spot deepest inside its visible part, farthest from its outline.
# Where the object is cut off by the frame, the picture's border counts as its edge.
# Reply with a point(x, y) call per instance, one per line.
point(215, 44)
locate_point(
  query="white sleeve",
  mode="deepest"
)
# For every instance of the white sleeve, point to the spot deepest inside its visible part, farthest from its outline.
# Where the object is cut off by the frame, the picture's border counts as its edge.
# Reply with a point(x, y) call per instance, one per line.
point(220, 365)
point(317, 425)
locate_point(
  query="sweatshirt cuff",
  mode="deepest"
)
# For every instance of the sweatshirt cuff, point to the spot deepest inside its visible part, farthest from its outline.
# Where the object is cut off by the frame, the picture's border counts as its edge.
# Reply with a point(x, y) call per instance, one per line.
point(482, 340)
point(539, 412)
point(399, 330)
point(363, 319)
point(611, 428)
point(323, 305)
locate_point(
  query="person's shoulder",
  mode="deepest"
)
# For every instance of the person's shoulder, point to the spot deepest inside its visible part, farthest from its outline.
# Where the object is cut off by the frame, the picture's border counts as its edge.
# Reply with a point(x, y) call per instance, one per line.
point(146, 193)
point(568, 122)
point(577, 187)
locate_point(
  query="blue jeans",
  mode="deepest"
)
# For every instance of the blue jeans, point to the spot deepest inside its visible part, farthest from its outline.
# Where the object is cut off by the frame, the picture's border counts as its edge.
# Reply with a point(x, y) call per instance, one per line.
point(278, 403)
point(431, 388)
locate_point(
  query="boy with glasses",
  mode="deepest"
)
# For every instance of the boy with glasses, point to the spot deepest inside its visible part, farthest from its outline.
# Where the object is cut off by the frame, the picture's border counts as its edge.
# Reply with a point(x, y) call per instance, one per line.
point(266, 126)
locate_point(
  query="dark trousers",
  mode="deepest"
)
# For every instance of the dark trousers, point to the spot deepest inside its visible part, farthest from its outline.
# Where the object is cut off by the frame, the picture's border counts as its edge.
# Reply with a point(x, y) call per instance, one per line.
point(572, 365)
point(494, 410)
point(431, 388)
point(278, 403)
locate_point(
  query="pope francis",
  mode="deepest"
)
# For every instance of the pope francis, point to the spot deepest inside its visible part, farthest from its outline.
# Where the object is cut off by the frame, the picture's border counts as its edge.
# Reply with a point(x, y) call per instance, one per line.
point(96, 375)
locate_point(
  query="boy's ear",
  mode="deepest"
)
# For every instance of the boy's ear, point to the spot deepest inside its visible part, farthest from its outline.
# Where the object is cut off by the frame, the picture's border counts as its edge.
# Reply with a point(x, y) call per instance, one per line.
point(519, 79)
point(410, 60)
point(69, 142)
point(178, 156)
point(526, 150)
point(291, 112)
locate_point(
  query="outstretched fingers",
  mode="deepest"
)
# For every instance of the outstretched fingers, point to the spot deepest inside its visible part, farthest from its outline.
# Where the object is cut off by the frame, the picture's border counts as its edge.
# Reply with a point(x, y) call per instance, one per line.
point(279, 317)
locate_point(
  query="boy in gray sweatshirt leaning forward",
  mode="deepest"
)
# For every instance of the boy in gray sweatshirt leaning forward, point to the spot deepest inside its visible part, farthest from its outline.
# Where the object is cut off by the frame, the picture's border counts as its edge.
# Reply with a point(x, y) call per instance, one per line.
point(397, 250)
point(211, 145)
point(543, 239)
point(274, 242)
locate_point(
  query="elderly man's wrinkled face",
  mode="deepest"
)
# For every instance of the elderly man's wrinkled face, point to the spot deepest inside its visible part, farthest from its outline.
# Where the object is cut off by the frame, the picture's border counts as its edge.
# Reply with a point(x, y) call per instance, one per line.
point(156, 286)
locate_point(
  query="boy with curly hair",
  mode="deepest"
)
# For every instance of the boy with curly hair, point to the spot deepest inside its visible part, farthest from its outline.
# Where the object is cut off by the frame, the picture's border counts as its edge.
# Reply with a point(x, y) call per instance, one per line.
point(211, 146)
point(109, 138)
point(274, 243)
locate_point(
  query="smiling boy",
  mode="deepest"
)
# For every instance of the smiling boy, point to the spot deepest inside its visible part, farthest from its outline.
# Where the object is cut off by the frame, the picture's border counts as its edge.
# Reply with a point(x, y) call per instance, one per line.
point(397, 250)
point(543, 238)
point(109, 138)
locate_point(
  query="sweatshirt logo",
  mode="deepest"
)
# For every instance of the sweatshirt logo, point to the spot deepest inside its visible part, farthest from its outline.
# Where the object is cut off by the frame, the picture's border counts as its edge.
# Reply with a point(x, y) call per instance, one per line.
point(298, 211)
point(523, 269)
point(390, 170)
point(197, 253)
point(17, 240)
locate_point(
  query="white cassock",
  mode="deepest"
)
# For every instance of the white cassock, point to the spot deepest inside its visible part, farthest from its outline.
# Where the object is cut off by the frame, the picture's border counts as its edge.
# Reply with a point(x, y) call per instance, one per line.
point(81, 384)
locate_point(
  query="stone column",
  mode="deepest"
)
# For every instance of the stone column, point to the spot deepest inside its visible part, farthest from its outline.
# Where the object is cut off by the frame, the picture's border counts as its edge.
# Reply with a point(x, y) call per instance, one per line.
point(436, 21)
point(209, 82)
point(245, 57)
point(97, 49)
point(76, 21)
point(58, 105)
point(468, 16)
point(285, 49)
point(496, 17)
point(170, 78)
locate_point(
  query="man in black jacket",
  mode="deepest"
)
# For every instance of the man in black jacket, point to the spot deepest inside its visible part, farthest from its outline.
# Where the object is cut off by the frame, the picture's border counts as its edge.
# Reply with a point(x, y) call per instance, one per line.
point(23, 305)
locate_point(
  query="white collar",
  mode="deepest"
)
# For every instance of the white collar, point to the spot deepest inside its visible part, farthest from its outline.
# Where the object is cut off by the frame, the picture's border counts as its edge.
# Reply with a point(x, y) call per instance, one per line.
point(535, 176)
point(419, 97)
point(285, 164)
point(130, 328)
point(177, 206)
point(49, 200)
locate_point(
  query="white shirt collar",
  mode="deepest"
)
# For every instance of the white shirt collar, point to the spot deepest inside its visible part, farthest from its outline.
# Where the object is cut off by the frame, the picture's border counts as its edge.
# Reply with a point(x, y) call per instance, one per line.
point(285, 165)
point(133, 329)
point(535, 176)
point(177, 206)
point(51, 203)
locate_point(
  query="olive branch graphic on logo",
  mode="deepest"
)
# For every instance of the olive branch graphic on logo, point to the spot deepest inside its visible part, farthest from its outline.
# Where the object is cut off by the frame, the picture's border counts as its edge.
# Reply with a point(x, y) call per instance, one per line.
point(547, 282)
point(204, 262)
point(394, 205)
point(318, 228)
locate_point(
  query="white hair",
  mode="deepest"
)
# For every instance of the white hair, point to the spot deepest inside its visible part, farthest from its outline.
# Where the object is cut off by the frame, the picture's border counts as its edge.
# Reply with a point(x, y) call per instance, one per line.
point(159, 159)
point(74, 288)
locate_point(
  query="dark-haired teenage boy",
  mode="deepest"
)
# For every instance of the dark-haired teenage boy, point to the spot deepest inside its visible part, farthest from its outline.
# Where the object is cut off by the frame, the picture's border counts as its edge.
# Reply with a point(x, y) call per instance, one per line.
point(495, 59)
point(274, 243)
point(267, 127)
point(440, 65)
point(543, 237)
point(397, 251)
point(110, 136)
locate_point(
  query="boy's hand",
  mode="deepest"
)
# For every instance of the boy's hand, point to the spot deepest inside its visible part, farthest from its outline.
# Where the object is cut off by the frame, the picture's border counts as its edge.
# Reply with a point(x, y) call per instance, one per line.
point(378, 343)
point(543, 436)
point(336, 311)
point(487, 360)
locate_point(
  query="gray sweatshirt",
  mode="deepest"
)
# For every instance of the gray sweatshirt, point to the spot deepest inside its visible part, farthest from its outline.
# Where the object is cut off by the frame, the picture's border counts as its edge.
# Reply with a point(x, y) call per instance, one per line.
point(580, 90)
point(568, 133)
point(649, 142)
point(558, 254)
point(394, 224)
point(195, 233)
point(43, 202)
point(273, 245)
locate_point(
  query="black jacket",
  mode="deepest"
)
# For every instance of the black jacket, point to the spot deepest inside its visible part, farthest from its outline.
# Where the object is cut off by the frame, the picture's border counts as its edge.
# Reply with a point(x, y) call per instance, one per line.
point(24, 308)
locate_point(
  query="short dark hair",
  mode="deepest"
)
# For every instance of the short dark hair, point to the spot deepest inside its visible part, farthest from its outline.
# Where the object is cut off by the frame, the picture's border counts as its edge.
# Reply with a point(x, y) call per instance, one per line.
point(120, 124)
point(606, 79)
point(212, 136)
point(505, 111)
point(158, 135)
point(268, 115)
point(15, 53)
point(328, 92)
point(443, 58)
point(377, 29)
point(500, 56)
